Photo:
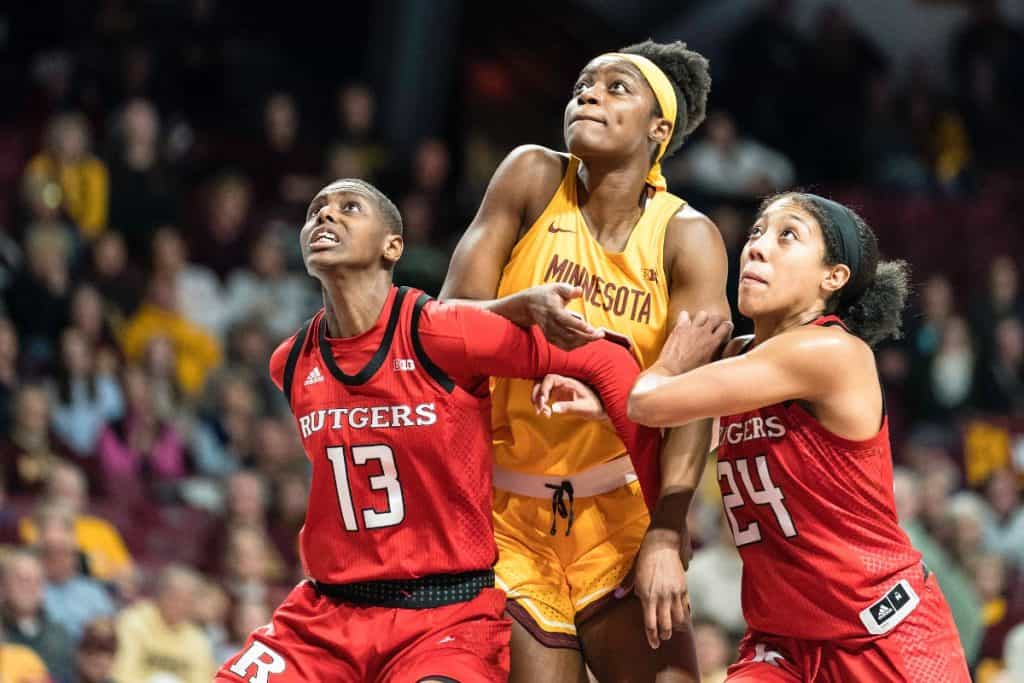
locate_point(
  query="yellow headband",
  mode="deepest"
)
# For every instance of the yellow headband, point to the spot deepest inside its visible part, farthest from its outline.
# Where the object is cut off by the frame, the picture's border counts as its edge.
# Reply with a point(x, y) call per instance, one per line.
point(666, 96)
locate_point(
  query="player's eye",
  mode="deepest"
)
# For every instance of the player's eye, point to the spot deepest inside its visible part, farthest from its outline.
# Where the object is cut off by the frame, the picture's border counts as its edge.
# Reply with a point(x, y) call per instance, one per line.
point(618, 87)
point(789, 234)
point(352, 206)
point(579, 87)
point(754, 232)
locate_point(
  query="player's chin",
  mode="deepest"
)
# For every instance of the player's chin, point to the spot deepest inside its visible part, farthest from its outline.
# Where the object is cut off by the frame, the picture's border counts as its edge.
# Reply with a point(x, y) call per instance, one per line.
point(324, 260)
point(587, 143)
point(751, 305)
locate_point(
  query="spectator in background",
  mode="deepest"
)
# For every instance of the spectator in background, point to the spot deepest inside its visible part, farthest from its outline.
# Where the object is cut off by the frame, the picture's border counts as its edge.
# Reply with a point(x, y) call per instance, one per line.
point(68, 165)
point(142, 190)
point(888, 155)
point(198, 293)
point(140, 451)
point(249, 347)
point(280, 449)
point(925, 328)
point(84, 397)
point(288, 514)
point(8, 372)
point(213, 616)
point(1006, 535)
point(106, 555)
point(1013, 656)
point(725, 164)
point(1002, 299)
point(30, 451)
point(423, 264)
point(430, 179)
point(963, 599)
point(1001, 389)
point(223, 435)
point(252, 566)
point(714, 652)
point(999, 612)
point(159, 636)
point(96, 651)
point(946, 384)
point(223, 240)
point(196, 352)
point(285, 171)
point(246, 616)
point(356, 108)
point(116, 278)
point(71, 598)
point(38, 299)
point(268, 292)
point(245, 506)
point(88, 318)
point(25, 622)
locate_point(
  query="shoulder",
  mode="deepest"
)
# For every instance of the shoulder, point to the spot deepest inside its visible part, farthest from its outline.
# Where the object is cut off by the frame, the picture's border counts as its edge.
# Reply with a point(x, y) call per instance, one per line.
point(819, 350)
point(279, 358)
point(691, 236)
point(532, 171)
point(444, 319)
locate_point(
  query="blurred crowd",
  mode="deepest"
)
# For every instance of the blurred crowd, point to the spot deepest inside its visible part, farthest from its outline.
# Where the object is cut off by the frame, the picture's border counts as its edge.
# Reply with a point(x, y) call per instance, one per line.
point(152, 483)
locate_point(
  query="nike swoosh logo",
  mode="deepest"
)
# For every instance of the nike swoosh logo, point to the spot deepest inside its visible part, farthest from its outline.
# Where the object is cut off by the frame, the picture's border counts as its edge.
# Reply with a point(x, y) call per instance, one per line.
point(552, 228)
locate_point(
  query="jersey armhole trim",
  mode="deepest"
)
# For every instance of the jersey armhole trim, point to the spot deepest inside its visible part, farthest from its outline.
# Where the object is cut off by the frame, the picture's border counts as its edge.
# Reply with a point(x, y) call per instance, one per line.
point(426, 363)
point(293, 359)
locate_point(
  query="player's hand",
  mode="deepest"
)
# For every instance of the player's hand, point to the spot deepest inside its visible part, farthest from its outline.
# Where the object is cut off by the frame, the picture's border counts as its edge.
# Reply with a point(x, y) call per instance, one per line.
point(558, 395)
point(694, 341)
point(659, 581)
point(546, 308)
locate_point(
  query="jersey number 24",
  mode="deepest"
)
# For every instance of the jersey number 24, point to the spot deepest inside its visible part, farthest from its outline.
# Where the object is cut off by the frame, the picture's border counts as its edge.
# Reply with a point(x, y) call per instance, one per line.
point(768, 494)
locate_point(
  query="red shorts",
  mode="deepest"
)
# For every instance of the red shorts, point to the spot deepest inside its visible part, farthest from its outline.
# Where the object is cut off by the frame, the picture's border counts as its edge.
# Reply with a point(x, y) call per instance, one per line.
point(924, 648)
point(315, 639)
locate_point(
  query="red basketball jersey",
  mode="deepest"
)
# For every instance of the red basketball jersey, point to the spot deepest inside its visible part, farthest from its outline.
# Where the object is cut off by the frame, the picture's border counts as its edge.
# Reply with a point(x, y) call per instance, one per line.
point(401, 451)
point(401, 475)
point(814, 519)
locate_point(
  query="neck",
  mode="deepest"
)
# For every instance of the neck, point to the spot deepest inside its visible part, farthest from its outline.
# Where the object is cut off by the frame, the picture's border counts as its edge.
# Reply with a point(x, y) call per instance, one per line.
point(612, 196)
point(772, 326)
point(353, 300)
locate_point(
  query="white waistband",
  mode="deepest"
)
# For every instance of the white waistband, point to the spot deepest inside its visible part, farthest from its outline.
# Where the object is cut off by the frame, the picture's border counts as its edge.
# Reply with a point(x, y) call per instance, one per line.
point(596, 480)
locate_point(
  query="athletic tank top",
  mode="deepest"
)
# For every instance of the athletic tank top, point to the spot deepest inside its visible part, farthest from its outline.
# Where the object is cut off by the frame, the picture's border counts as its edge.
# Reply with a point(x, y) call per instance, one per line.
point(623, 291)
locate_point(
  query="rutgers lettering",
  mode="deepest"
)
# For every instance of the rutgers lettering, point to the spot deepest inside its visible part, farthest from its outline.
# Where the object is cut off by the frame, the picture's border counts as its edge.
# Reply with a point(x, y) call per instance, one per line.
point(770, 427)
point(597, 291)
point(376, 417)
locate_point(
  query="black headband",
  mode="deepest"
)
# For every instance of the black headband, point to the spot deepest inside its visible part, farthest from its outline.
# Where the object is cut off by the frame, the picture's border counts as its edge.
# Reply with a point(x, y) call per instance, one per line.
point(843, 227)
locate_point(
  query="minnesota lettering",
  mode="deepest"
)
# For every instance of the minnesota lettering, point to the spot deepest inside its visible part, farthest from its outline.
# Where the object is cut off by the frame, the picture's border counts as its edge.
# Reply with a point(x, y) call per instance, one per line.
point(597, 291)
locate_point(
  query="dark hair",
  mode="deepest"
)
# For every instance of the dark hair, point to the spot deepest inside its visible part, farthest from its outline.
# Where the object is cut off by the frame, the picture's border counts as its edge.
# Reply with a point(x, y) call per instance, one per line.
point(388, 211)
point(691, 79)
point(876, 313)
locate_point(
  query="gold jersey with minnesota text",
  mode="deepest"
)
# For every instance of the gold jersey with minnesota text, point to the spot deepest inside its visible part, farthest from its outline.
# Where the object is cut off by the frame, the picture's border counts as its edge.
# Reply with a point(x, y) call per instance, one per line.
point(623, 291)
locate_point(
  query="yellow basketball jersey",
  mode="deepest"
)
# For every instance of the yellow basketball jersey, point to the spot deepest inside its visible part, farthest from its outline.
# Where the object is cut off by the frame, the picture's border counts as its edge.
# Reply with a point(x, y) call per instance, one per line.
point(625, 291)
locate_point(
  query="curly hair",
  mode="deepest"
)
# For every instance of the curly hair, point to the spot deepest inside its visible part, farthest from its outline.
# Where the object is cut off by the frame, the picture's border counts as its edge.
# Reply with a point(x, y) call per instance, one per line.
point(691, 79)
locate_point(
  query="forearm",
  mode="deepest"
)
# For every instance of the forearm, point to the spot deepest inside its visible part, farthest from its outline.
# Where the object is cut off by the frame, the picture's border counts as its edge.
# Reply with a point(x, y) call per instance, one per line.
point(683, 457)
point(512, 307)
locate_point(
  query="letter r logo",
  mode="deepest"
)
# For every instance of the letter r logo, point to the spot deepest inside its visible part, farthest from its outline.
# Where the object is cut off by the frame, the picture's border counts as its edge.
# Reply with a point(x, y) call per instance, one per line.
point(263, 658)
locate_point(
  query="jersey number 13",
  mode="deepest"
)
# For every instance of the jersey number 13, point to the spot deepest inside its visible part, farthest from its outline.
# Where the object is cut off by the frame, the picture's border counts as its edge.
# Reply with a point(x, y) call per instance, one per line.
point(387, 480)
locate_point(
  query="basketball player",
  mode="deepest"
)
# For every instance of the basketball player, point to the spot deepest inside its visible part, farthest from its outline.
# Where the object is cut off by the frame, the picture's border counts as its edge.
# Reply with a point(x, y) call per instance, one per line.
point(389, 391)
point(833, 591)
point(598, 218)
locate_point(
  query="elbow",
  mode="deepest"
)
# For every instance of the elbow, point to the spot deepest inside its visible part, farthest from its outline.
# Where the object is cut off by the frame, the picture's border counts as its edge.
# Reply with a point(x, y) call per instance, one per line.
point(639, 408)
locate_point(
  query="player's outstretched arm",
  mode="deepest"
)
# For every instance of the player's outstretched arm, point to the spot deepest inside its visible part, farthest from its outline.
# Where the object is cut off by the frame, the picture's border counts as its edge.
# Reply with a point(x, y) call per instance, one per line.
point(471, 344)
point(802, 364)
